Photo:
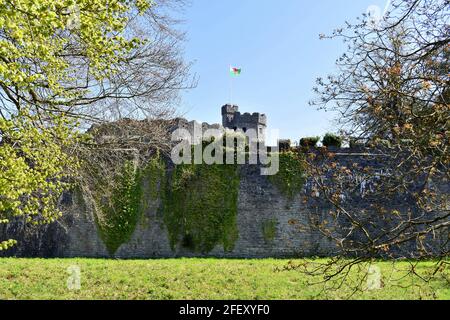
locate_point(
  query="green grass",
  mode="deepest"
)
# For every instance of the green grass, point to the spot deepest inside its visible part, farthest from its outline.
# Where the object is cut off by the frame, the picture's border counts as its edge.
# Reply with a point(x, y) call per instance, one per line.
point(195, 279)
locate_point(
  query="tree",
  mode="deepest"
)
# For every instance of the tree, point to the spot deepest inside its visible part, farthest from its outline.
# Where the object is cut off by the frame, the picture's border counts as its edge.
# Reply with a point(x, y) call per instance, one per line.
point(35, 167)
point(88, 59)
point(392, 90)
point(65, 65)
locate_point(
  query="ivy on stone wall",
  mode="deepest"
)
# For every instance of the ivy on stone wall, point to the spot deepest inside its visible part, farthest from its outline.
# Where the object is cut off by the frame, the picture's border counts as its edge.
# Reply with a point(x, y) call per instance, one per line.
point(119, 209)
point(117, 216)
point(200, 206)
point(269, 230)
point(198, 202)
point(153, 177)
point(291, 176)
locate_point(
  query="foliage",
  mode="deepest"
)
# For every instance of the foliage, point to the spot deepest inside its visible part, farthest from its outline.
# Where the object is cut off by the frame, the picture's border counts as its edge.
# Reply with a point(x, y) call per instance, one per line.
point(269, 230)
point(198, 202)
point(291, 175)
point(92, 59)
point(309, 141)
point(46, 43)
point(42, 50)
point(284, 145)
point(35, 168)
point(200, 206)
point(85, 61)
point(120, 212)
point(332, 140)
point(121, 203)
point(153, 176)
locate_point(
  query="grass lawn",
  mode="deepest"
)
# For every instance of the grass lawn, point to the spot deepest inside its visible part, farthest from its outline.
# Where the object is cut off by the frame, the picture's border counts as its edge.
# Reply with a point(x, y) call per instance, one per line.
point(193, 279)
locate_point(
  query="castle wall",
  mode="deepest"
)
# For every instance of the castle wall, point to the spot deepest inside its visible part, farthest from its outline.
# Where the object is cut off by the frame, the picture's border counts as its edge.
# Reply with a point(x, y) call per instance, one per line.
point(76, 234)
point(259, 202)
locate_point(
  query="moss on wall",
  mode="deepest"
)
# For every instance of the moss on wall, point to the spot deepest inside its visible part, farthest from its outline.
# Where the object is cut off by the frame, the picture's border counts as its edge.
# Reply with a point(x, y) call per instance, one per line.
point(291, 176)
point(198, 202)
point(153, 178)
point(200, 206)
point(118, 215)
point(120, 203)
point(269, 230)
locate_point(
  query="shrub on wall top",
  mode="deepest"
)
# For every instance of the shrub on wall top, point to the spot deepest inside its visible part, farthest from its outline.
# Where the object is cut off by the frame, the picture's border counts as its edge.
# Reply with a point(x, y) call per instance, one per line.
point(284, 145)
point(332, 140)
point(309, 141)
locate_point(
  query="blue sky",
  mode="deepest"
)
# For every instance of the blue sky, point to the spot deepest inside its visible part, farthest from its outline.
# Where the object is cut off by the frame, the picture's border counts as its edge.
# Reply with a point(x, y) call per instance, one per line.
point(277, 45)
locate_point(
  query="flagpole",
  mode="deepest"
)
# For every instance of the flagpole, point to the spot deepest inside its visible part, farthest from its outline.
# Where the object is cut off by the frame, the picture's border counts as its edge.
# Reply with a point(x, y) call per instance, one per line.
point(231, 86)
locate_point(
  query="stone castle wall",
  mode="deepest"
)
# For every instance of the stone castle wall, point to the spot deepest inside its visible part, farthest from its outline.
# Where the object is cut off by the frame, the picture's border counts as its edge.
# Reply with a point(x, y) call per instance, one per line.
point(76, 234)
point(259, 201)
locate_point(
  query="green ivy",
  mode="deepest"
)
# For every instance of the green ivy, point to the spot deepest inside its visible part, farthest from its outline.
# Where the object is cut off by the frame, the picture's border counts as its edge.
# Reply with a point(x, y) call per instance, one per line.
point(200, 206)
point(119, 215)
point(198, 202)
point(153, 177)
point(291, 176)
point(269, 230)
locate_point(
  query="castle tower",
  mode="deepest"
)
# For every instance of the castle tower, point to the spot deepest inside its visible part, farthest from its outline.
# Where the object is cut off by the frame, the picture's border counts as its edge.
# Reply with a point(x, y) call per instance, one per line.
point(232, 119)
point(229, 113)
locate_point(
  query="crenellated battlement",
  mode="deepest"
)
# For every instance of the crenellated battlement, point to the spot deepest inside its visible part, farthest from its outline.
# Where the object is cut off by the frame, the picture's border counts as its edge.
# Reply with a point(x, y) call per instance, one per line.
point(237, 121)
point(232, 120)
point(256, 118)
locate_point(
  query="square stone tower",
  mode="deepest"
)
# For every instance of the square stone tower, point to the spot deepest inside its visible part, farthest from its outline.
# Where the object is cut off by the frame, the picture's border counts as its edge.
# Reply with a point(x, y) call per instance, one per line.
point(232, 119)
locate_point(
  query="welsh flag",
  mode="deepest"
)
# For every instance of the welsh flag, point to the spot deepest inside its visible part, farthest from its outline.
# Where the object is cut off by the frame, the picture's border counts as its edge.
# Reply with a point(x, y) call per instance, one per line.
point(234, 72)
